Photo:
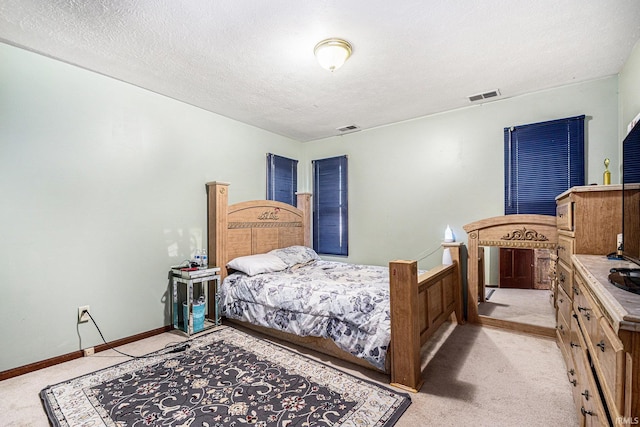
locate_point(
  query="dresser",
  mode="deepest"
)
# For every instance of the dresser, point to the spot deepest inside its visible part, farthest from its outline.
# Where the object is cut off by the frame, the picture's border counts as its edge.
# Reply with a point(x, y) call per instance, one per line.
point(589, 219)
point(596, 322)
point(604, 345)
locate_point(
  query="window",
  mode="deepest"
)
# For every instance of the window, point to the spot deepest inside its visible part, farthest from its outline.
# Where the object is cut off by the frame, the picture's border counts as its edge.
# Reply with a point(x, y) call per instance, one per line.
point(282, 179)
point(330, 211)
point(542, 160)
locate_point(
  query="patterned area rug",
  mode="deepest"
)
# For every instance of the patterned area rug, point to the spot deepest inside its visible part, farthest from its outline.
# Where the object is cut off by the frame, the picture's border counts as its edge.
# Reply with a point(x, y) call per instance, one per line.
point(225, 378)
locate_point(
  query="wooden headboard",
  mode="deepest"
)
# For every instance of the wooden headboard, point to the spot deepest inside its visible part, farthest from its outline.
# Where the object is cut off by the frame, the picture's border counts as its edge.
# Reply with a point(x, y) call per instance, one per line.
point(253, 227)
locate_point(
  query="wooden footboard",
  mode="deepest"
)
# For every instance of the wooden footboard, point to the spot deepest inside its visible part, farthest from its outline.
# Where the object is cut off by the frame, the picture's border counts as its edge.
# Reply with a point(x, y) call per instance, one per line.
point(419, 305)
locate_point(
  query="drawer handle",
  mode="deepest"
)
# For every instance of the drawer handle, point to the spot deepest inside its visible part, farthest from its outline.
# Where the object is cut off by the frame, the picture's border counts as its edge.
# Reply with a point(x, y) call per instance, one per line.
point(575, 291)
point(585, 412)
point(601, 345)
point(586, 394)
point(586, 312)
point(561, 300)
point(561, 277)
point(571, 372)
point(574, 382)
point(561, 248)
point(572, 344)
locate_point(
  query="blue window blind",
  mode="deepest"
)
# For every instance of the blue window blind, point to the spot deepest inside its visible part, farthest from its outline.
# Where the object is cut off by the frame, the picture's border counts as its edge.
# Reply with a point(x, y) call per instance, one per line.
point(282, 179)
point(542, 160)
point(631, 157)
point(330, 210)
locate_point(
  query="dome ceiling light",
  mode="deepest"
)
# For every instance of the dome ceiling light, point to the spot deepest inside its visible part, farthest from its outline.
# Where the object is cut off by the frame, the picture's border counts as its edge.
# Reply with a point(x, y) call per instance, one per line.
point(332, 53)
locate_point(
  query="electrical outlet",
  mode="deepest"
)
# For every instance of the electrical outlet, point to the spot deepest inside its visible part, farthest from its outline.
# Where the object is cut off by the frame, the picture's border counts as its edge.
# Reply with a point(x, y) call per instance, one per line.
point(83, 315)
point(89, 351)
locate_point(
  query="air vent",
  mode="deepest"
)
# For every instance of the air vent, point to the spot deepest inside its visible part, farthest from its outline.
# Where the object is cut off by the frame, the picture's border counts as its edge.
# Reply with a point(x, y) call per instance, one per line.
point(486, 95)
point(348, 129)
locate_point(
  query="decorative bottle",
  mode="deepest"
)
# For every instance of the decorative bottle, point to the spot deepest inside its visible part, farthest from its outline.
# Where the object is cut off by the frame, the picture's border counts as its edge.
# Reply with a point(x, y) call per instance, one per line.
point(204, 259)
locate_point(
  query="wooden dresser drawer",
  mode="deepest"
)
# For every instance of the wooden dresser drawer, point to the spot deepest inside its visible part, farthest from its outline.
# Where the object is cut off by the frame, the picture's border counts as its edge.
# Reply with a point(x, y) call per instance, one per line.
point(587, 313)
point(564, 305)
point(586, 396)
point(564, 215)
point(565, 248)
point(563, 333)
point(609, 352)
point(565, 279)
point(577, 374)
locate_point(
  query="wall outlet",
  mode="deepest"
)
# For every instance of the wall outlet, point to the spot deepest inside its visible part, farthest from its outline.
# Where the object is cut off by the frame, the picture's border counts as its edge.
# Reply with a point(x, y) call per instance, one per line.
point(82, 314)
point(89, 351)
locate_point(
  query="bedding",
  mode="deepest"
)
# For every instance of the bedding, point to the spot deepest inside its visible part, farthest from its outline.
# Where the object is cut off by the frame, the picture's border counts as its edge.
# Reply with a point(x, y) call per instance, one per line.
point(344, 302)
point(296, 255)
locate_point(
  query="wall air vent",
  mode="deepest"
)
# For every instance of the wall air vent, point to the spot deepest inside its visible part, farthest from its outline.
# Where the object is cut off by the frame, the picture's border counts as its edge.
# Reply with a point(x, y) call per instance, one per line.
point(348, 129)
point(486, 95)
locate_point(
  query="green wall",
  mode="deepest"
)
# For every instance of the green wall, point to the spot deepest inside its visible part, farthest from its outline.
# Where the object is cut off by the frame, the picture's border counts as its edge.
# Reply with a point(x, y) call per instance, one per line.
point(102, 188)
point(408, 180)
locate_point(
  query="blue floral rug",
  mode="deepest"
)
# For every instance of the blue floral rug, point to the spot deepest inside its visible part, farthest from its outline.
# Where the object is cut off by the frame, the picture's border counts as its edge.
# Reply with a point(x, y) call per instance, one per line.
point(225, 378)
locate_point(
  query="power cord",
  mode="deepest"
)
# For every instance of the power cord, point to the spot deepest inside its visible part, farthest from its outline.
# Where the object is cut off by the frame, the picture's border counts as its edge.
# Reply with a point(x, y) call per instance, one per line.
point(430, 253)
point(177, 347)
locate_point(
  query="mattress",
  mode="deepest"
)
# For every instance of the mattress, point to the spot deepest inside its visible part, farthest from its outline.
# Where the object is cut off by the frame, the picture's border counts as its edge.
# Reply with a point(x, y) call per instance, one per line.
point(346, 303)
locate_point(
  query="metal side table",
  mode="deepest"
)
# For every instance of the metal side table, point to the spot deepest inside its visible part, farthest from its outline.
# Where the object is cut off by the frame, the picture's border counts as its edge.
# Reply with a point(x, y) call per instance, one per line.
point(195, 308)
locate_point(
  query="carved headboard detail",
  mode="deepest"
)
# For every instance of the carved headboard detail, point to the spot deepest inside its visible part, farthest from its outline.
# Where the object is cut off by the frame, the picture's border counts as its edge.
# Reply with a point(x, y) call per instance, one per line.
point(253, 227)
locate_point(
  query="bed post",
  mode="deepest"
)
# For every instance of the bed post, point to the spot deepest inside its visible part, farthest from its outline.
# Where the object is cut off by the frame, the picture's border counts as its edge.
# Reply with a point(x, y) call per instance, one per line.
point(304, 204)
point(217, 203)
point(473, 292)
point(405, 332)
point(455, 249)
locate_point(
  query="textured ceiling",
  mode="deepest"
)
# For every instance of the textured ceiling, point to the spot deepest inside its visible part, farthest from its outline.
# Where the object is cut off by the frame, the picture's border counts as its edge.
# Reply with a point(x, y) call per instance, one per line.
point(253, 61)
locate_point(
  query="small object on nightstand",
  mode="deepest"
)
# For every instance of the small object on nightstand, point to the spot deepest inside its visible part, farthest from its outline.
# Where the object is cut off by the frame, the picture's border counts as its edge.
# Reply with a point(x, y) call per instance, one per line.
point(606, 176)
point(448, 235)
point(204, 259)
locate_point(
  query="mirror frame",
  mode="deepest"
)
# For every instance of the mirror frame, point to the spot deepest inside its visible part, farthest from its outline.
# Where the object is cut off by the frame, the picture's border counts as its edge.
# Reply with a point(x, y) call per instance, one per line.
point(507, 231)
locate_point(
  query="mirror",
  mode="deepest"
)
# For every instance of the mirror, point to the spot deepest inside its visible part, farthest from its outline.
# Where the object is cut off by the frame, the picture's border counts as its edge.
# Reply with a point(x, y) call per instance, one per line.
point(520, 291)
point(509, 272)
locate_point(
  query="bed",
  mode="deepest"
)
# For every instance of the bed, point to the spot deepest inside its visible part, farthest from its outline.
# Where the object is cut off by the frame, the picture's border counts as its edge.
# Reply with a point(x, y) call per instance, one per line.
point(418, 303)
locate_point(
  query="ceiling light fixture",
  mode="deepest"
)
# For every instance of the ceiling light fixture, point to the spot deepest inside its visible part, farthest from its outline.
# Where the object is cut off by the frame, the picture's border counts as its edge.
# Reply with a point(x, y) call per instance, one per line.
point(332, 53)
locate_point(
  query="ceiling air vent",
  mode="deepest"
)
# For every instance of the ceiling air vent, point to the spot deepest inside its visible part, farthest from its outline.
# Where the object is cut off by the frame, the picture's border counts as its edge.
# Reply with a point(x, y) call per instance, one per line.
point(486, 95)
point(348, 129)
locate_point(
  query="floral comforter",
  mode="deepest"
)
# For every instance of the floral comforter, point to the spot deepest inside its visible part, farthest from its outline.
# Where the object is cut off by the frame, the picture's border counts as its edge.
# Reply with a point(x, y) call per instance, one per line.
point(344, 302)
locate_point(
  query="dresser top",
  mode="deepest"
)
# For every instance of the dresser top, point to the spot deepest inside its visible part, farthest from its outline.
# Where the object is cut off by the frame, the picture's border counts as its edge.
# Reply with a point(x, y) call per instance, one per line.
point(590, 188)
point(594, 188)
point(623, 307)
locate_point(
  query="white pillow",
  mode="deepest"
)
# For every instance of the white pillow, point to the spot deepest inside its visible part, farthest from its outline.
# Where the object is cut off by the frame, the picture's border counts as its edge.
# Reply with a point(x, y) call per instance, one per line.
point(256, 264)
